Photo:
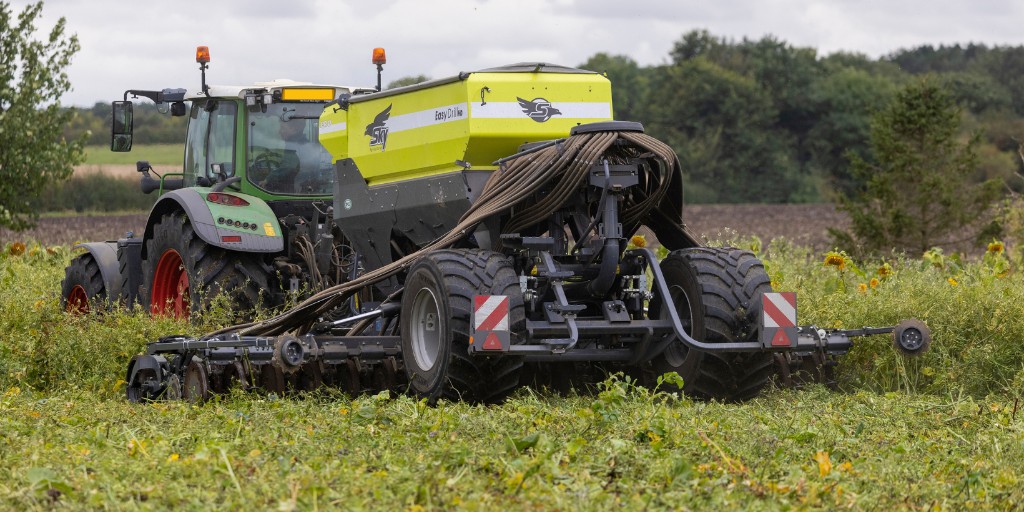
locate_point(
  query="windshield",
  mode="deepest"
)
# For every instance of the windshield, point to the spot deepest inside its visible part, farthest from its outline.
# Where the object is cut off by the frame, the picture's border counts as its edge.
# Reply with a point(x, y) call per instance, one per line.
point(285, 155)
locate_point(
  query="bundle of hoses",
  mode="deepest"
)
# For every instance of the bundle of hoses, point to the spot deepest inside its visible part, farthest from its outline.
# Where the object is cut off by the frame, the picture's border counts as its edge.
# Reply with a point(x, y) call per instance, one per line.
point(564, 165)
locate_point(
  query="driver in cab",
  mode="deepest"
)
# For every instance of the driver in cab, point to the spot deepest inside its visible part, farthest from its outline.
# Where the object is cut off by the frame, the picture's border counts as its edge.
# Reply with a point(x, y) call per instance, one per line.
point(281, 177)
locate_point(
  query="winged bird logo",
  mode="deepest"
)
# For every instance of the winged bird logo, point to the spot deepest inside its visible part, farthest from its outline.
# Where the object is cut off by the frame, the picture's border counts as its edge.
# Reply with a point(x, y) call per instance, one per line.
point(378, 130)
point(539, 109)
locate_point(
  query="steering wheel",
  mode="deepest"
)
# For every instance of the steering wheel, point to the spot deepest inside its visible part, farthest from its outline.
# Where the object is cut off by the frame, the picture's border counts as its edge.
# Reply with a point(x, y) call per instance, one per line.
point(263, 164)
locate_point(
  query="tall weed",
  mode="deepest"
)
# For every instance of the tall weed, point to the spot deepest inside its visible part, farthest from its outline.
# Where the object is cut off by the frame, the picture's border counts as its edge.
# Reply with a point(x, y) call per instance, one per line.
point(975, 309)
point(42, 347)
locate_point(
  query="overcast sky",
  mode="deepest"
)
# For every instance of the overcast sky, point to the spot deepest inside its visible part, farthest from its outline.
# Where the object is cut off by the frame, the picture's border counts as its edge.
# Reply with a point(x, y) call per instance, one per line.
point(143, 44)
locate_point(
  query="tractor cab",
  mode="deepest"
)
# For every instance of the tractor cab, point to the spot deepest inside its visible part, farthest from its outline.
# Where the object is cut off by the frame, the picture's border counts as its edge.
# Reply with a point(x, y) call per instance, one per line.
point(259, 139)
point(262, 138)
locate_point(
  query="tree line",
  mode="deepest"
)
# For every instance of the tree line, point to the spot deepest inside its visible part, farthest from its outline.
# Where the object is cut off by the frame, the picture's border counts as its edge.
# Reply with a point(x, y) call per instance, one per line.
point(914, 161)
point(151, 126)
point(757, 121)
point(762, 121)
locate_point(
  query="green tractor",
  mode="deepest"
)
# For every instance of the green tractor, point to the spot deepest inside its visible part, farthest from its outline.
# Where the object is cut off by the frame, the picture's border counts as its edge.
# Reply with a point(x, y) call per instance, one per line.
point(239, 219)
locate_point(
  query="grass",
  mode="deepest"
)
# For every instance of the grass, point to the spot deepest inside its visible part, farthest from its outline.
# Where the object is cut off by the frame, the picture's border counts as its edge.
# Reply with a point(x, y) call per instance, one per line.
point(156, 154)
point(940, 432)
point(813, 449)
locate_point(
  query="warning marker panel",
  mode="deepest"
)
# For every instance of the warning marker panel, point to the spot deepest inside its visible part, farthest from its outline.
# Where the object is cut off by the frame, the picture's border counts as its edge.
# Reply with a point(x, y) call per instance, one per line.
point(778, 320)
point(490, 324)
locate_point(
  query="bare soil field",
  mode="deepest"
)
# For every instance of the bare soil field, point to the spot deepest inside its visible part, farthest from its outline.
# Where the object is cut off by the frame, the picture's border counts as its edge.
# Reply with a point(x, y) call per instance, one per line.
point(803, 224)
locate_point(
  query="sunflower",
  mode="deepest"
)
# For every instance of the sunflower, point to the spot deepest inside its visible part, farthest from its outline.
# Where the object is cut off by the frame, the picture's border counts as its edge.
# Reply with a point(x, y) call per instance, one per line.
point(835, 259)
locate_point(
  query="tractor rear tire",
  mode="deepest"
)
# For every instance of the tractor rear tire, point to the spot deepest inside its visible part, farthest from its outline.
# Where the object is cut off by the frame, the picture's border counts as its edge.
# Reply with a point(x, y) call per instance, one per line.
point(436, 308)
point(717, 293)
point(82, 287)
point(182, 273)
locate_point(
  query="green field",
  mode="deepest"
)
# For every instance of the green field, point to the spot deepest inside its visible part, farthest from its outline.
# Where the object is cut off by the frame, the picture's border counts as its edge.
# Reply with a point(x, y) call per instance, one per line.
point(941, 432)
point(156, 154)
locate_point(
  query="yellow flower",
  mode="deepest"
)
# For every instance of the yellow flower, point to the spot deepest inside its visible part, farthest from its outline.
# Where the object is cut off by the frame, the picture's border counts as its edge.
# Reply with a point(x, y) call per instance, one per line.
point(873, 283)
point(172, 457)
point(861, 287)
point(136, 446)
point(996, 247)
point(16, 249)
point(835, 259)
point(951, 281)
point(884, 271)
point(638, 241)
point(824, 463)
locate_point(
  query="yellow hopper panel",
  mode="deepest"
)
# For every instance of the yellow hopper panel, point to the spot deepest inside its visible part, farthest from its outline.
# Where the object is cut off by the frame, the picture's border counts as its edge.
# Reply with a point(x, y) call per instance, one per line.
point(466, 121)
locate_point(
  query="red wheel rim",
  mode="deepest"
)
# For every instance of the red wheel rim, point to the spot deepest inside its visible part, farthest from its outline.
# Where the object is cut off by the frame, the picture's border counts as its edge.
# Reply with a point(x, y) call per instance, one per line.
point(78, 300)
point(170, 296)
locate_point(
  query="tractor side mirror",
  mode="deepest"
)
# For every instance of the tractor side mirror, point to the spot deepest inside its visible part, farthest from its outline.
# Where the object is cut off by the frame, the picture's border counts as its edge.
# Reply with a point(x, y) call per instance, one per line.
point(121, 127)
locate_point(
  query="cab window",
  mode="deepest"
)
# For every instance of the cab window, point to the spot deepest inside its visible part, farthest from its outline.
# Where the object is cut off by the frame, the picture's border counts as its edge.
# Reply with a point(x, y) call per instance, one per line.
point(195, 147)
point(285, 155)
point(211, 141)
point(222, 140)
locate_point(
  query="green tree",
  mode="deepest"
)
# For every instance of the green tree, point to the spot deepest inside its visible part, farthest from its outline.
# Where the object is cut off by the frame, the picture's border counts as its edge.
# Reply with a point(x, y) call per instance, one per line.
point(32, 79)
point(844, 100)
point(918, 193)
point(629, 84)
point(407, 80)
point(1006, 67)
point(977, 92)
point(723, 126)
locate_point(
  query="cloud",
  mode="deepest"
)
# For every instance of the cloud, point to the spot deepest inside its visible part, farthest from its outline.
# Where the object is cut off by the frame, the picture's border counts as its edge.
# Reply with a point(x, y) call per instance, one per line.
point(146, 44)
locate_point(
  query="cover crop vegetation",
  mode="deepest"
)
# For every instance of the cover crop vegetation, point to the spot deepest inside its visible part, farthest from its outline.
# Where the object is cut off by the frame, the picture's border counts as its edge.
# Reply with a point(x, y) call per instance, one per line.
point(939, 432)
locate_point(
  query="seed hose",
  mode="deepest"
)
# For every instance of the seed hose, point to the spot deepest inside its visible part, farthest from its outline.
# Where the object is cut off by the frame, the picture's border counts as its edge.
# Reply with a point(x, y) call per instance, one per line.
point(563, 168)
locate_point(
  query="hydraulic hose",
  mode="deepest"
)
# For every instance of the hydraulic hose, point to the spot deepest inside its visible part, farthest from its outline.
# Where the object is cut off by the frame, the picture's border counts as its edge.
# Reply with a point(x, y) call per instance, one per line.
point(562, 168)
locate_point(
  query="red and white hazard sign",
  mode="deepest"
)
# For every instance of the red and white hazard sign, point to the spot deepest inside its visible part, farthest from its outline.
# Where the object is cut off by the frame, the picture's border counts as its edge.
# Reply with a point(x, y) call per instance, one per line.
point(490, 322)
point(490, 313)
point(780, 309)
point(779, 319)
